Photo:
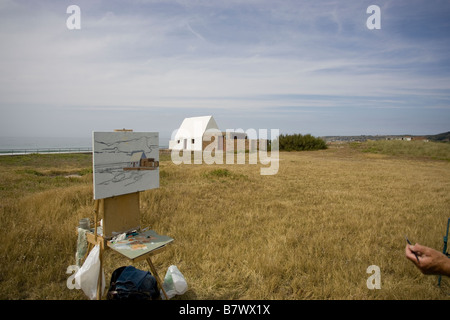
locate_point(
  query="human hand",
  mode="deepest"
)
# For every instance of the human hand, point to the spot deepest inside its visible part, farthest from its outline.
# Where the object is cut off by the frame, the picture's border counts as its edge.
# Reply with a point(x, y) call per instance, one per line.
point(429, 261)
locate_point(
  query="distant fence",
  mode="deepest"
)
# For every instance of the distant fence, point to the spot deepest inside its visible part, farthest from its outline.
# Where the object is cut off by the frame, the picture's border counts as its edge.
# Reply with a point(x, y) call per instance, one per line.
point(4, 152)
point(44, 150)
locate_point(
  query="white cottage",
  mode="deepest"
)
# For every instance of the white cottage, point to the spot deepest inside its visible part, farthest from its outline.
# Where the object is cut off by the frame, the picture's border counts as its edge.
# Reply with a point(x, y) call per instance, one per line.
point(190, 134)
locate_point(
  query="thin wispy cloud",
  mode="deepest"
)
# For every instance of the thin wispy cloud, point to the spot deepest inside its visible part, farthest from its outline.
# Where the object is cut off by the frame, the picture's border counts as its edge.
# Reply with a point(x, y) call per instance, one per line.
point(226, 58)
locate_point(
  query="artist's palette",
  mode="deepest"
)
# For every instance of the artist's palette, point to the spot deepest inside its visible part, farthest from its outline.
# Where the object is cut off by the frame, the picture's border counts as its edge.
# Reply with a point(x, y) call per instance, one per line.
point(139, 243)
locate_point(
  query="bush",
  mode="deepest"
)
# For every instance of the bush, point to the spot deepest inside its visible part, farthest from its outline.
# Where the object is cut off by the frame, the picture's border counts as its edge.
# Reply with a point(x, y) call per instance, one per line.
point(298, 142)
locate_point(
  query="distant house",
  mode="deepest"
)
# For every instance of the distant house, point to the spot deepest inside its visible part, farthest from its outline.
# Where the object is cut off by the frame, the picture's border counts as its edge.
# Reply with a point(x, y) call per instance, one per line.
point(190, 134)
point(417, 138)
point(240, 141)
point(196, 133)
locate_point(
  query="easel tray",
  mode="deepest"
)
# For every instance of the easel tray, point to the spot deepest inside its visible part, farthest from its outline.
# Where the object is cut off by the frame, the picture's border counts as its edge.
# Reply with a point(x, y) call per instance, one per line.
point(139, 243)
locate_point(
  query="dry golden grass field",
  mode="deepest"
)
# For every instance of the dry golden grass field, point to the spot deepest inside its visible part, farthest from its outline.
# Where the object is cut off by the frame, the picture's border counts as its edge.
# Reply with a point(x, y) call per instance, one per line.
point(308, 232)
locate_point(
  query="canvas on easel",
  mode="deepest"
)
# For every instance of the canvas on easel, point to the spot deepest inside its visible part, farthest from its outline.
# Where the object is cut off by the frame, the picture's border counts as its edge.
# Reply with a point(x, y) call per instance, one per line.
point(124, 162)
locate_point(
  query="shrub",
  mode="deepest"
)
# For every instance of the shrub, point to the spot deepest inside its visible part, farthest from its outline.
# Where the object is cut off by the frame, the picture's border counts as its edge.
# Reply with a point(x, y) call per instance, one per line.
point(298, 142)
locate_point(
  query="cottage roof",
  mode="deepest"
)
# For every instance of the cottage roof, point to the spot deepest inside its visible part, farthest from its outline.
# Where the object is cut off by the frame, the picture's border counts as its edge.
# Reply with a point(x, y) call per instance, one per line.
point(195, 127)
point(137, 156)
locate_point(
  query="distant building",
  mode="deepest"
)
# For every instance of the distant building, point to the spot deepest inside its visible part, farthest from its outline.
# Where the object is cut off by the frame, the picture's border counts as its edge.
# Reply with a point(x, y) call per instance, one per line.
point(196, 133)
point(420, 139)
point(190, 134)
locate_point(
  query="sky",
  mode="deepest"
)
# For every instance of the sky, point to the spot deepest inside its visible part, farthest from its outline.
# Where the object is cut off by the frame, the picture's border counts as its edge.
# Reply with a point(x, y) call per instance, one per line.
point(298, 66)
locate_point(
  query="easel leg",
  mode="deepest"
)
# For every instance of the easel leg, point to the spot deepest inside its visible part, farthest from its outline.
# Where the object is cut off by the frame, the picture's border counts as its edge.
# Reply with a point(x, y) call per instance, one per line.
point(152, 267)
point(90, 245)
point(100, 274)
point(96, 208)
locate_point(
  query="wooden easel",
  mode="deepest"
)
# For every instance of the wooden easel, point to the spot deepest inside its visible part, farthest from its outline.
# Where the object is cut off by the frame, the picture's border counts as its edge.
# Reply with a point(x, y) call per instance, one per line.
point(121, 214)
point(110, 208)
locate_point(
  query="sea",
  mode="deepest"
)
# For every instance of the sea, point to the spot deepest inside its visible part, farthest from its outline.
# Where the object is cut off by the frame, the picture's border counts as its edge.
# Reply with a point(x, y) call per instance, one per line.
point(15, 145)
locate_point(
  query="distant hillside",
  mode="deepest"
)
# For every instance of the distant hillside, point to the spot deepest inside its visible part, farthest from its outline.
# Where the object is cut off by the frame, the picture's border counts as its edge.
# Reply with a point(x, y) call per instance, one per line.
point(441, 137)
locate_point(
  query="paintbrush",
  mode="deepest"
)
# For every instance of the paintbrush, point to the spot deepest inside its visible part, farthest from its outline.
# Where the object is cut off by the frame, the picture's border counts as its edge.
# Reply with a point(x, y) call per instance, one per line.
point(407, 240)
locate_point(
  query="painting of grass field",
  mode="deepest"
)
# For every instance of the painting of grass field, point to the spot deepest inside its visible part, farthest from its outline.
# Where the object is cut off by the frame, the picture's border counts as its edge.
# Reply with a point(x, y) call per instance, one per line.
point(308, 232)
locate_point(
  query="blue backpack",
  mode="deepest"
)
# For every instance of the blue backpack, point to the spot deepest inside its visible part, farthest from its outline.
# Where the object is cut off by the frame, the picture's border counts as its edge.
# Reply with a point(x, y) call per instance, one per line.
point(129, 283)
